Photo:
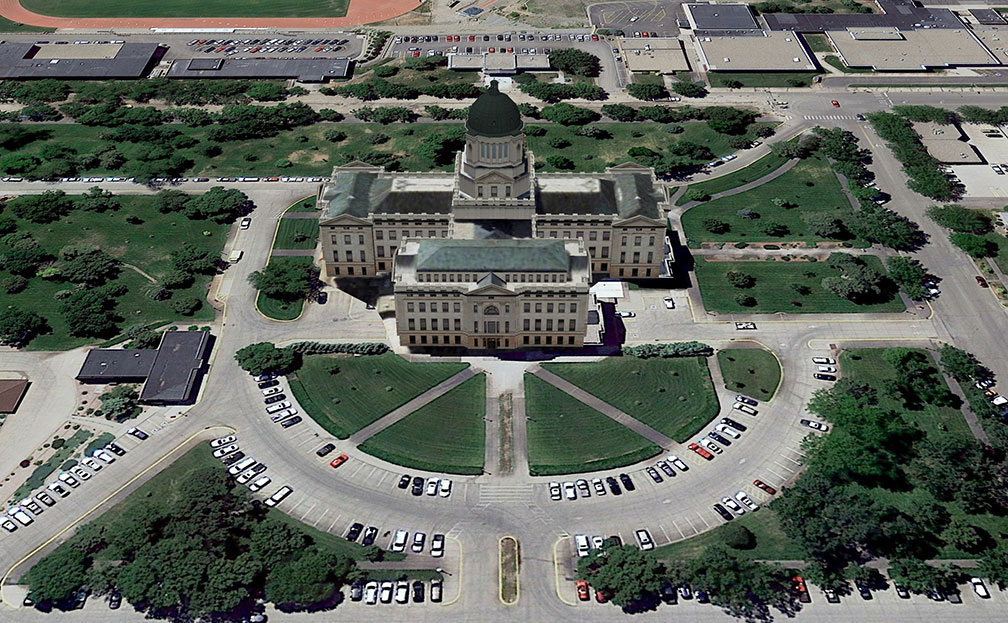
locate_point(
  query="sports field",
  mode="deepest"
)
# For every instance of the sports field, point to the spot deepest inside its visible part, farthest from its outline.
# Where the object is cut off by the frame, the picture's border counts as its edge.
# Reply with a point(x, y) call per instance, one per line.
point(189, 8)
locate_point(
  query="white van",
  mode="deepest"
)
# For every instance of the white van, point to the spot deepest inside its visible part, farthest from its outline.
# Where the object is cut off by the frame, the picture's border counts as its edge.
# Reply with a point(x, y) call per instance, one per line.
point(277, 406)
point(399, 541)
point(235, 256)
point(20, 515)
point(241, 466)
point(279, 496)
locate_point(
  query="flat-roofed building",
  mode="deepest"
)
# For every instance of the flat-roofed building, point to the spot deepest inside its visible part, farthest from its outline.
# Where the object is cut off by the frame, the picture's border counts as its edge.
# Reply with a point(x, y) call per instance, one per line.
point(995, 39)
point(947, 143)
point(760, 51)
point(894, 49)
point(660, 54)
point(499, 63)
point(92, 60)
point(719, 16)
point(300, 69)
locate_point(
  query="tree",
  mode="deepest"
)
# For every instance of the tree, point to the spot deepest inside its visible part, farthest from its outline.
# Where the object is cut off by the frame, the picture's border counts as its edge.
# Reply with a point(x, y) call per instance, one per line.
point(973, 245)
point(626, 573)
point(919, 576)
point(958, 218)
point(264, 357)
point(788, 149)
point(18, 164)
point(168, 201)
point(647, 91)
point(560, 162)
point(697, 194)
point(440, 148)
point(574, 61)
point(93, 267)
point(120, 403)
point(51, 205)
point(21, 255)
point(287, 281)
point(744, 588)
point(908, 274)
point(98, 200)
point(186, 306)
point(737, 536)
point(823, 224)
point(91, 312)
point(188, 258)
point(740, 279)
point(19, 327)
point(877, 224)
point(745, 300)
point(959, 364)
point(856, 280)
point(567, 114)
point(272, 541)
point(715, 226)
point(962, 535)
point(619, 112)
point(994, 565)
point(592, 131)
point(220, 204)
point(775, 229)
point(728, 120)
point(307, 579)
point(689, 89)
point(58, 576)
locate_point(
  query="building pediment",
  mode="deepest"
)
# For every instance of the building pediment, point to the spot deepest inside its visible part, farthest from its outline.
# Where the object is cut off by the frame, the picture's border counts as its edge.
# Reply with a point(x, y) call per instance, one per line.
point(639, 221)
point(493, 177)
point(490, 290)
point(344, 219)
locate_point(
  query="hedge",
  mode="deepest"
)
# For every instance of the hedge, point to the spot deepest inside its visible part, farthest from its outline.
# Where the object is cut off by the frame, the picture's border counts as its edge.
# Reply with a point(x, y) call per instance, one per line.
point(359, 348)
point(673, 349)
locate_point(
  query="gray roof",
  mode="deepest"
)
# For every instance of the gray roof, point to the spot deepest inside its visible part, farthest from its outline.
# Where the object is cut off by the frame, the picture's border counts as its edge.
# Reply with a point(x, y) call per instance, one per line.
point(116, 365)
point(988, 17)
point(491, 279)
point(17, 60)
point(492, 255)
point(622, 194)
point(359, 193)
point(179, 363)
point(302, 69)
point(902, 14)
point(721, 16)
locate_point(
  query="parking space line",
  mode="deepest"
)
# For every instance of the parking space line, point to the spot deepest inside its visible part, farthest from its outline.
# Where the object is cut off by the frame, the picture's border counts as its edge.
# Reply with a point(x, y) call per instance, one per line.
point(384, 475)
point(309, 510)
point(786, 468)
point(703, 520)
point(359, 466)
point(333, 524)
point(678, 529)
point(790, 459)
point(308, 440)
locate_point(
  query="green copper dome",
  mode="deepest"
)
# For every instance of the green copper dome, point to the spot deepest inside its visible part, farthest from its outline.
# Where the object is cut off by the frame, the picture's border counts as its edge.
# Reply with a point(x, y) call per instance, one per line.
point(493, 114)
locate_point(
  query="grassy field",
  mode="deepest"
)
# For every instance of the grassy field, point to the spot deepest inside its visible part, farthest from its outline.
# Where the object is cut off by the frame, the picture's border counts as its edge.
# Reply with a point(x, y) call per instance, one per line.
point(765, 165)
point(810, 186)
point(673, 396)
point(145, 245)
point(297, 233)
point(835, 61)
point(817, 42)
point(1001, 259)
point(446, 435)
point(759, 79)
point(363, 389)
point(772, 543)
point(751, 371)
point(311, 154)
point(566, 436)
point(189, 8)
point(867, 366)
point(7, 25)
point(775, 288)
point(275, 308)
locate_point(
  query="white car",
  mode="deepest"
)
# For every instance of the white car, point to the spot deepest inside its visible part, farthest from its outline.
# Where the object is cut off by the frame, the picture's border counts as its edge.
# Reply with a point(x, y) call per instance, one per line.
point(419, 538)
point(432, 486)
point(219, 452)
point(80, 472)
point(626, 314)
point(980, 588)
point(597, 542)
point(222, 441)
point(398, 543)
point(681, 464)
point(67, 478)
point(92, 464)
point(58, 489)
point(32, 505)
point(582, 545)
point(402, 592)
point(555, 492)
point(444, 487)
point(102, 455)
point(20, 515)
point(278, 496)
point(669, 302)
point(823, 360)
point(437, 546)
point(385, 594)
point(744, 408)
point(570, 491)
point(598, 486)
point(724, 429)
point(279, 415)
point(710, 445)
point(7, 523)
point(644, 540)
point(269, 391)
point(732, 505)
point(371, 593)
point(278, 406)
point(259, 483)
point(828, 369)
point(746, 501)
point(241, 466)
point(247, 475)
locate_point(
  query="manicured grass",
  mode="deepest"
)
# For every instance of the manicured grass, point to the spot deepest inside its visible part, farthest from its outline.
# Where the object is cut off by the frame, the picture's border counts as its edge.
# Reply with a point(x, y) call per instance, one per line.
point(364, 389)
point(673, 396)
point(290, 229)
point(866, 365)
point(566, 436)
point(189, 8)
point(772, 543)
point(751, 371)
point(817, 42)
point(765, 165)
point(647, 77)
point(1001, 259)
point(446, 435)
point(763, 78)
point(7, 25)
point(809, 186)
point(839, 64)
point(774, 290)
point(146, 245)
point(275, 308)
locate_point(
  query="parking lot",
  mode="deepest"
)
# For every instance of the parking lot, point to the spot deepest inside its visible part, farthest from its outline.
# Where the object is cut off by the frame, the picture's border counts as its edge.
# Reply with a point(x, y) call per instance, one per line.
point(981, 180)
point(656, 17)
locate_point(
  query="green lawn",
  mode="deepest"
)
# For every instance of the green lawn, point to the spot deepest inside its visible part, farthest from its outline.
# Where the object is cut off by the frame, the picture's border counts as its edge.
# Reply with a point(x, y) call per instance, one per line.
point(145, 245)
point(673, 396)
point(765, 165)
point(7, 25)
point(364, 388)
point(866, 365)
point(775, 288)
point(189, 8)
point(1001, 259)
point(835, 61)
point(818, 42)
point(566, 436)
point(297, 233)
point(810, 186)
point(648, 77)
point(275, 308)
point(446, 435)
point(751, 371)
point(772, 543)
point(759, 79)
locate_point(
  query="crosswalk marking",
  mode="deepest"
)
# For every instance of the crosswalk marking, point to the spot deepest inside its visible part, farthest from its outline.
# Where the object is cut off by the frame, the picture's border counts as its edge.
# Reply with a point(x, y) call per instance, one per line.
point(828, 117)
point(489, 493)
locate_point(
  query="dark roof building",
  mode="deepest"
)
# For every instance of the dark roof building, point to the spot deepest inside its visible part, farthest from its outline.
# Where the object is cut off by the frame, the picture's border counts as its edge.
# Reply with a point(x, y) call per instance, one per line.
point(300, 69)
point(92, 61)
point(170, 374)
point(903, 14)
point(704, 16)
point(11, 393)
point(494, 114)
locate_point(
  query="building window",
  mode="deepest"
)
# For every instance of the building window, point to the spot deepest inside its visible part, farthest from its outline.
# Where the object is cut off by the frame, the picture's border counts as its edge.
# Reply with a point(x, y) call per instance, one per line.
point(605, 251)
point(549, 324)
point(538, 308)
point(479, 190)
point(636, 241)
point(570, 339)
point(507, 326)
point(592, 235)
point(526, 324)
point(538, 325)
point(434, 339)
point(525, 339)
point(346, 238)
point(412, 339)
point(412, 324)
point(423, 324)
point(458, 339)
point(349, 270)
point(405, 233)
point(432, 234)
point(391, 234)
point(651, 241)
point(423, 307)
point(573, 308)
point(549, 308)
point(622, 257)
point(457, 307)
point(360, 238)
point(507, 190)
point(528, 307)
point(561, 307)
point(650, 256)
point(379, 235)
point(633, 273)
point(409, 307)
point(493, 190)
point(605, 235)
point(560, 324)
point(336, 270)
point(444, 306)
point(381, 251)
point(423, 339)
point(538, 340)
point(335, 256)
point(549, 339)
point(458, 325)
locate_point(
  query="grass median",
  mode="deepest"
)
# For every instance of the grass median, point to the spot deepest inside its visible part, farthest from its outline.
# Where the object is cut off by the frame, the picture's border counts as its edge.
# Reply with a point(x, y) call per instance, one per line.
point(751, 371)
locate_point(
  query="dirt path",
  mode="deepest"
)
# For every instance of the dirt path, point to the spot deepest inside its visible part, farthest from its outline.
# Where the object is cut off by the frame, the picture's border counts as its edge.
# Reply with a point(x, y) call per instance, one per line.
point(359, 12)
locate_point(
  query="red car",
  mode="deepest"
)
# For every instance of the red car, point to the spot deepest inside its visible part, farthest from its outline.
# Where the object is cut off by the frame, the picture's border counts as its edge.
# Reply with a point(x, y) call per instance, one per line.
point(493, 50)
point(981, 281)
point(701, 451)
point(416, 53)
point(600, 596)
point(762, 485)
point(582, 590)
point(472, 37)
point(341, 459)
point(594, 37)
point(799, 586)
point(836, 104)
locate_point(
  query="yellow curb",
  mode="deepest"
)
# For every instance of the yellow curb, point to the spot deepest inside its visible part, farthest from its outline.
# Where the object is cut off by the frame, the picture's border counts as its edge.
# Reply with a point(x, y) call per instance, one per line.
point(458, 593)
point(500, 571)
point(556, 569)
point(276, 232)
point(3, 580)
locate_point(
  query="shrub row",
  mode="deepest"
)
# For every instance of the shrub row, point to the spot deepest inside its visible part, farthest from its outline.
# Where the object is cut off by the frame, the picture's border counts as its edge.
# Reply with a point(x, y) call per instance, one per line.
point(672, 349)
point(359, 348)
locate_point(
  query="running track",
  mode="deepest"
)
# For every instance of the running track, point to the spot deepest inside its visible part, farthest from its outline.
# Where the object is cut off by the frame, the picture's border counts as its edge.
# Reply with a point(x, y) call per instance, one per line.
point(359, 12)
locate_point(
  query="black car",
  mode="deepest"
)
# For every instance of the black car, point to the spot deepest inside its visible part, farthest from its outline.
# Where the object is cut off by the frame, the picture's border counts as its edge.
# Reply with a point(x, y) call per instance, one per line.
point(701, 597)
point(369, 535)
point(627, 483)
point(685, 591)
point(354, 531)
point(321, 298)
point(936, 594)
point(418, 486)
point(668, 593)
point(114, 600)
point(326, 449)
point(115, 448)
point(824, 377)
point(831, 596)
point(357, 590)
point(901, 591)
point(78, 600)
point(269, 383)
point(736, 425)
point(404, 482)
point(863, 591)
point(418, 592)
point(613, 486)
point(721, 510)
point(653, 473)
point(291, 421)
point(719, 438)
point(234, 457)
point(136, 432)
point(614, 541)
point(274, 398)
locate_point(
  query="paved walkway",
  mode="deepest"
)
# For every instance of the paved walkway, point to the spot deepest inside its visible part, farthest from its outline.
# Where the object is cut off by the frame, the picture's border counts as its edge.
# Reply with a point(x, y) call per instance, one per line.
point(605, 408)
point(398, 414)
point(769, 177)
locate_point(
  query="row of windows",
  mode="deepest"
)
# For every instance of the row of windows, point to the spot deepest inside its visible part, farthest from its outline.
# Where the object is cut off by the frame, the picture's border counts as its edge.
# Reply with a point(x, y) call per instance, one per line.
point(493, 150)
point(561, 308)
point(467, 277)
point(494, 190)
point(636, 257)
point(456, 307)
point(431, 233)
point(349, 256)
point(350, 271)
point(448, 340)
point(567, 234)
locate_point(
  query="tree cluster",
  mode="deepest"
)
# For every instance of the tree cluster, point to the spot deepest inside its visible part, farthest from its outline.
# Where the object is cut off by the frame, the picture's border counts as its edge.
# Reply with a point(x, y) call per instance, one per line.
point(384, 114)
point(926, 177)
point(668, 350)
point(264, 357)
point(554, 92)
point(353, 348)
point(854, 279)
point(574, 61)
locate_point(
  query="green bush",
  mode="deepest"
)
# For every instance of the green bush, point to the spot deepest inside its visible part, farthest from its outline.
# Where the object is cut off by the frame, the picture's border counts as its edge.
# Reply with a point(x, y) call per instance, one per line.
point(671, 349)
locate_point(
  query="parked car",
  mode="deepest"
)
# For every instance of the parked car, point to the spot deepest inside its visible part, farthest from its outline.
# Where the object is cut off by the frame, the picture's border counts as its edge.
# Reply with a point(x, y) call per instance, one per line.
point(736, 425)
point(718, 437)
point(669, 302)
point(220, 452)
point(732, 505)
point(570, 491)
point(981, 281)
point(136, 432)
point(398, 542)
point(614, 487)
point(628, 484)
point(222, 441)
point(329, 447)
point(746, 501)
point(644, 540)
point(901, 591)
point(823, 360)
point(814, 425)
point(291, 421)
point(278, 496)
point(419, 539)
point(798, 582)
point(980, 588)
point(598, 486)
point(653, 473)
point(744, 408)
point(665, 467)
point(371, 593)
point(341, 459)
point(436, 588)
point(764, 486)
point(701, 451)
point(370, 534)
point(444, 487)
point(582, 590)
point(259, 483)
point(355, 531)
point(679, 463)
point(668, 593)
point(745, 399)
point(824, 377)
point(626, 314)
point(863, 591)
point(721, 510)
point(418, 592)
point(710, 445)
point(437, 545)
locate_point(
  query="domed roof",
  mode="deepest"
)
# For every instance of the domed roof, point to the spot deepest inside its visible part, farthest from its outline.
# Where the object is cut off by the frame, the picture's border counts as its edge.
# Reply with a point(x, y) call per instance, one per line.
point(494, 114)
